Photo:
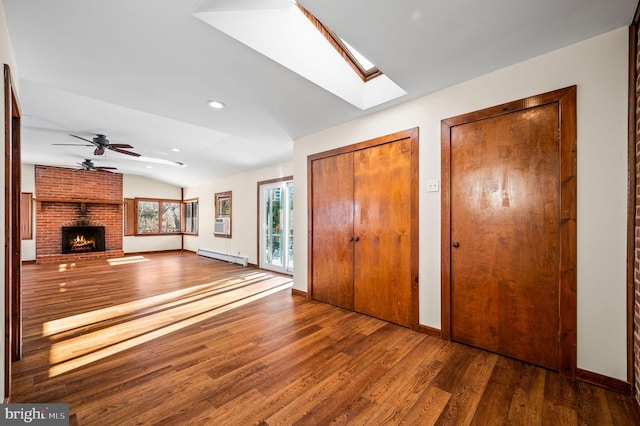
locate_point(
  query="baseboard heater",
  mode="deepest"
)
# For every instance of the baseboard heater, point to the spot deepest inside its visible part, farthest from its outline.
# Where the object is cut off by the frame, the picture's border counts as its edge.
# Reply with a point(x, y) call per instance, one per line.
point(231, 258)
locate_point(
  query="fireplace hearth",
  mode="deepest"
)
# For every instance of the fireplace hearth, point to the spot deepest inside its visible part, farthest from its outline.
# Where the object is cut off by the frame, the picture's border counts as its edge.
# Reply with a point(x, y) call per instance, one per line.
point(82, 239)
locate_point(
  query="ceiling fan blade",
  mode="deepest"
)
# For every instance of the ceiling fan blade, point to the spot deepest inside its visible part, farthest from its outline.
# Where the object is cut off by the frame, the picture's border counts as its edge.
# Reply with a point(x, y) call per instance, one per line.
point(107, 168)
point(86, 140)
point(122, 151)
point(71, 144)
point(119, 145)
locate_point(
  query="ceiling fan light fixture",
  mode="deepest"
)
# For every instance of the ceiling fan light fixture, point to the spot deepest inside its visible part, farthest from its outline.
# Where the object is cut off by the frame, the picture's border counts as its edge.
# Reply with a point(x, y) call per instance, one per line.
point(215, 104)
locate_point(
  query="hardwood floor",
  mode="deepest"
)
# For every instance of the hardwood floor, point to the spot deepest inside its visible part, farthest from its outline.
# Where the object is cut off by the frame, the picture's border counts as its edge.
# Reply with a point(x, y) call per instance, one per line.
point(156, 341)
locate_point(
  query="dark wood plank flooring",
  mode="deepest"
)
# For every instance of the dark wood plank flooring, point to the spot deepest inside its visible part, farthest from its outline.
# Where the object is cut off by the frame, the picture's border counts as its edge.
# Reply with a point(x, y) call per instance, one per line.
point(159, 341)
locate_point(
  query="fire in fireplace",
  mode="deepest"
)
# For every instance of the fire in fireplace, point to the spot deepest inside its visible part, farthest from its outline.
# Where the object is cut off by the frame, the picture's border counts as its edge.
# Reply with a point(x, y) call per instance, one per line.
point(82, 239)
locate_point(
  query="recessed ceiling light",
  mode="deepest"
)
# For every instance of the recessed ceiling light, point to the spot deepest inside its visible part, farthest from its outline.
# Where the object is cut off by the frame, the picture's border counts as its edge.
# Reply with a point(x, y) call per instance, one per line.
point(149, 167)
point(175, 149)
point(216, 104)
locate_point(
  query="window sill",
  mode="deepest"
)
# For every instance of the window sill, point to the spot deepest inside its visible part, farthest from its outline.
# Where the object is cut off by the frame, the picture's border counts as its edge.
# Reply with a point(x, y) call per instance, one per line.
point(151, 234)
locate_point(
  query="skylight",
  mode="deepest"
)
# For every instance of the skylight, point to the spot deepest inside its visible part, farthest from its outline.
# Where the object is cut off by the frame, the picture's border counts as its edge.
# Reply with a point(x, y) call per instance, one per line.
point(364, 62)
point(361, 65)
point(280, 30)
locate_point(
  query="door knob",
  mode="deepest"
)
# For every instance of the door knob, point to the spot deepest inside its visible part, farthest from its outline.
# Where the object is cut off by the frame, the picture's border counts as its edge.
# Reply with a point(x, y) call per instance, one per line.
point(356, 239)
point(456, 244)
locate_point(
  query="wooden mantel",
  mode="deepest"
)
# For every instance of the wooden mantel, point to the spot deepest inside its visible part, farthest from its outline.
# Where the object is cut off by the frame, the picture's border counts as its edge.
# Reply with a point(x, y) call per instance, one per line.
point(71, 200)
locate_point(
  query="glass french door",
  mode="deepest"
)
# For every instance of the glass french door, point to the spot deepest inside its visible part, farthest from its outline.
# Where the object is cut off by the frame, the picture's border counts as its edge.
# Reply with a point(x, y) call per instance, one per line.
point(276, 226)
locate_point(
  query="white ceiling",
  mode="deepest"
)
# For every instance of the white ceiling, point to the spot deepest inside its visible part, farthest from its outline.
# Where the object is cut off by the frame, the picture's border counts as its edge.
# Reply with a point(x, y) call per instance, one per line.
point(141, 71)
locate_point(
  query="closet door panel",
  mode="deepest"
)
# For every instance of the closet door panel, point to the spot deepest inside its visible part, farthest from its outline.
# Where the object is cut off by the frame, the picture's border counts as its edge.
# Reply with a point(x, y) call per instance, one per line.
point(382, 230)
point(332, 230)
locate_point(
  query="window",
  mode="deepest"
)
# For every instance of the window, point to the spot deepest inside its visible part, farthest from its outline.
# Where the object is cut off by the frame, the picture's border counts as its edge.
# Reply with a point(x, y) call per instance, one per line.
point(158, 216)
point(361, 65)
point(170, 216)
point(222, 224)
point(148, 216)
point(190, 221)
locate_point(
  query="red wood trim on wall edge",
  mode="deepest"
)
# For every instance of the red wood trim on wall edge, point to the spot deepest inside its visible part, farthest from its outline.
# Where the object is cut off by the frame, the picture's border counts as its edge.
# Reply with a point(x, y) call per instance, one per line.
point(603, 381)
point(297, 292)
point(632, 201)
point(424, 329)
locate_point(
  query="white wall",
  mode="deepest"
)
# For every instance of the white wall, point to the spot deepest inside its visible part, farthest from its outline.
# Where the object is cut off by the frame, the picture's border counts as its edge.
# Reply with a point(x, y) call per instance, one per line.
point(244, 211)
point(6, 57)
point(28, 249)
point(599, 68)
point(137, 186)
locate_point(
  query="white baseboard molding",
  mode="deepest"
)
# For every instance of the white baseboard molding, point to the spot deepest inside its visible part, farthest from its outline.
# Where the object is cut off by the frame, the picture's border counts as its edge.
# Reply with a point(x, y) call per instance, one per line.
point(231, 258)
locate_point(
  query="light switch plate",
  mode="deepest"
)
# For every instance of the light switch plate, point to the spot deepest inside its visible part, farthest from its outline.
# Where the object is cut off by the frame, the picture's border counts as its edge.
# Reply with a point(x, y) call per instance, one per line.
point(433, 185)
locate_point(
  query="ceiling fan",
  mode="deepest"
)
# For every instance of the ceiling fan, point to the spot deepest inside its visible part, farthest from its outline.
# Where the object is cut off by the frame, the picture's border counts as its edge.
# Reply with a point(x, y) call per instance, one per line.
point(89, 166)
point(102, 143)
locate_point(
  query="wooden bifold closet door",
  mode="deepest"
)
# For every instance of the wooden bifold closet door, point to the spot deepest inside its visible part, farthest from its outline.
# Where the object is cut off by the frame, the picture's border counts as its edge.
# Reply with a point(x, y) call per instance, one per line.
point(332, 240)
point(363, 214)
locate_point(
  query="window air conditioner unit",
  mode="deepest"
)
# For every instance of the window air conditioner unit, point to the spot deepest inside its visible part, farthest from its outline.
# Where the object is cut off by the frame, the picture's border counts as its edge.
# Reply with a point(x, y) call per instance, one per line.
point(221, 226)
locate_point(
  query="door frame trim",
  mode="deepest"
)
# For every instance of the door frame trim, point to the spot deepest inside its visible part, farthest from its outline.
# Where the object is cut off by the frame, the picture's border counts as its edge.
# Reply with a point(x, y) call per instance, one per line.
point(566, 100)
point(413, 135)
point(12, 254)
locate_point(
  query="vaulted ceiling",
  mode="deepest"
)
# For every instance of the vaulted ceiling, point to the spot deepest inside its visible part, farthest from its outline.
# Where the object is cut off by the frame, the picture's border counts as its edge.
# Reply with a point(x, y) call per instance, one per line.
point(142, 71)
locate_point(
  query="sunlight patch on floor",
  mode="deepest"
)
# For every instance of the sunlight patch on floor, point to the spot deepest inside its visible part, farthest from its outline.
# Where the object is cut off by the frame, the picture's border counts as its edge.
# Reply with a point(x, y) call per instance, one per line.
point(126, 260)
point(64, 266)
point(85, 319)
point(180, 309)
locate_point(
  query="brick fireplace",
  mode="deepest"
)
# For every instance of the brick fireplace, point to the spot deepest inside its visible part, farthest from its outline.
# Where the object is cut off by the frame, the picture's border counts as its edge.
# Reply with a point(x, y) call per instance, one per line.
point(69, 198)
